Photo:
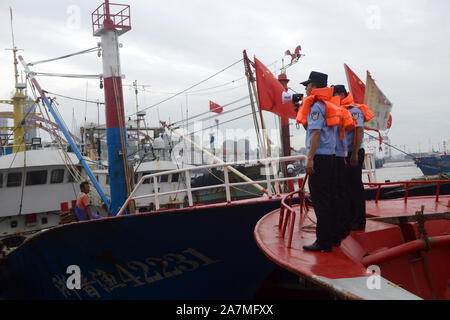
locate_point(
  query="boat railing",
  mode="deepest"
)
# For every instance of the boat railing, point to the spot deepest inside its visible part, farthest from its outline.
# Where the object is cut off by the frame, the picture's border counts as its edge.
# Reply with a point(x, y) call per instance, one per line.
point(270, 166)
point(407, 185)
point(288, 211)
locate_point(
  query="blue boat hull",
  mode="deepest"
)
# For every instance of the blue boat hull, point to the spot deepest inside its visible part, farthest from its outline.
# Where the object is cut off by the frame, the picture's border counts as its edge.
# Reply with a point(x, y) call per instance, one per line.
point(433, 165)
point(205, 253)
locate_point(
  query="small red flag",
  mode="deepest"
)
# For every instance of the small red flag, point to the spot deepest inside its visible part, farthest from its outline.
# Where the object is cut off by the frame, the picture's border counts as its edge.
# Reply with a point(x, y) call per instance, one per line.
point(389, 123)
point(214, 107)
point(270, 91)
point(357, 87)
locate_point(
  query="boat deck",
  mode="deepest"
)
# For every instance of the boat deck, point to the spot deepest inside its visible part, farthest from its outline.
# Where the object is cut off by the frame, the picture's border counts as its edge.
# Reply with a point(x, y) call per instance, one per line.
point(341, 270)
point(398, 207)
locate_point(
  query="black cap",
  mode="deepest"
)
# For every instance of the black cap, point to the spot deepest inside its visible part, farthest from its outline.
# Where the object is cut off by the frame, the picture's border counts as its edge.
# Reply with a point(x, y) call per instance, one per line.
point(317, 77)
point(339, 88)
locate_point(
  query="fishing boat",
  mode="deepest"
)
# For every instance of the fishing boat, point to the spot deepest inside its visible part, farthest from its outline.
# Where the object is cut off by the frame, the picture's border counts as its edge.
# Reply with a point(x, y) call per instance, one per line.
point(37, 181)
point(196, 252)
point(433, 164)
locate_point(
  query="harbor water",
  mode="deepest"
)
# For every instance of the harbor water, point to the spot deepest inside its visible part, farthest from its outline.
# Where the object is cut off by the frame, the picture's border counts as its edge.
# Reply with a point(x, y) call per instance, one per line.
point(397, 171)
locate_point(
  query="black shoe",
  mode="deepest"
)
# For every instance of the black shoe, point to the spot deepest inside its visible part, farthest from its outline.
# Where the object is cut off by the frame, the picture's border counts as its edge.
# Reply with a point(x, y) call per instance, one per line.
point(358, 228)
point(315, 247)
point(336, 243)
point(345, 235)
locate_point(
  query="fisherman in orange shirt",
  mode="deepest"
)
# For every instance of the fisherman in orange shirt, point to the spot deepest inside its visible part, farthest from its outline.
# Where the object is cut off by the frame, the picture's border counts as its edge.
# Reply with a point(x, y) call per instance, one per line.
point(82, 207)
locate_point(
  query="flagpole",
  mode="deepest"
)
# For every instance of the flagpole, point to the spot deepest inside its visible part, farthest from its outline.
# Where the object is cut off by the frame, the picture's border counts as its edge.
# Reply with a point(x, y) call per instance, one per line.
point(268, 151)
point(252, 103)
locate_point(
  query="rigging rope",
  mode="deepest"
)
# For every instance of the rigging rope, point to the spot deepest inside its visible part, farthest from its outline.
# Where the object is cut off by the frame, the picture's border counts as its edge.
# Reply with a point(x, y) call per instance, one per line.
point(62, 75)
point(72, 169)
point(220, 114)
point(94, 49)
point(209, 111)
point(245, 115)
point(193, 86)
point(71, 98)
point(17, 127)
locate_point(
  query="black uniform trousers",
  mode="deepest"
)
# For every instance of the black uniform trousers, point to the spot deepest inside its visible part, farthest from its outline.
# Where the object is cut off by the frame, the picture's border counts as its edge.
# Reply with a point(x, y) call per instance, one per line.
point(321, 187)
point(355, 188)
point(341, 200)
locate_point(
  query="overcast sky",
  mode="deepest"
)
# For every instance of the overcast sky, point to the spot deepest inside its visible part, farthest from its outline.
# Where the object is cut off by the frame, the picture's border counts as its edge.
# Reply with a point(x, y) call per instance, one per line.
point(175, 44)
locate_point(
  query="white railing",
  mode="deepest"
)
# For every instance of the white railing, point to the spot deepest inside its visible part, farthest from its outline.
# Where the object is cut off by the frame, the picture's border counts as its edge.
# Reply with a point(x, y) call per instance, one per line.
point(270, 165)
point(369, 160)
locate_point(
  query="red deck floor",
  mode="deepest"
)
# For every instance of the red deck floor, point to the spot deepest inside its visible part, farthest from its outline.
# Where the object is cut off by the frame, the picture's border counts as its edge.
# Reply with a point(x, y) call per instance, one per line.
point(397, 207)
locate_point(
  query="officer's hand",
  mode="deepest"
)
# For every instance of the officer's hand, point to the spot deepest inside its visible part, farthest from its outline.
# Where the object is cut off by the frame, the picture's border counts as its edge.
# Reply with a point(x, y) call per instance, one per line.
point(309, 166)
point(354, 160)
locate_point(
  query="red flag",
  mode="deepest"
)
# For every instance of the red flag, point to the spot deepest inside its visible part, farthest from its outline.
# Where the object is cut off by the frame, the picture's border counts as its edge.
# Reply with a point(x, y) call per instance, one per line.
point(389, 123)
point(357, 87)
point(214, 107)
point(270, 91)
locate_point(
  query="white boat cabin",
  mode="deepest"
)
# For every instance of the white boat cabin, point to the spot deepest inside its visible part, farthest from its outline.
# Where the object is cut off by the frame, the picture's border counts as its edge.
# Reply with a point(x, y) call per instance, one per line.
point(33, 184)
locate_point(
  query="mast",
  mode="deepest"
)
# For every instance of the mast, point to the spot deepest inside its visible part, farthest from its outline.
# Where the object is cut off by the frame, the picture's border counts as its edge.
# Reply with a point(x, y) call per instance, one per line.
point(109, 27)
point(284, 125)
point(18, 99)
point(251, 85)
point(137, 118)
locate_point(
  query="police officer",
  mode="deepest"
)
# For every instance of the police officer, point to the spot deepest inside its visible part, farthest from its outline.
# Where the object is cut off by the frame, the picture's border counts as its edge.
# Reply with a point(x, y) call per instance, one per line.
point(341, 199)
point(356, 217)
point(320, 149)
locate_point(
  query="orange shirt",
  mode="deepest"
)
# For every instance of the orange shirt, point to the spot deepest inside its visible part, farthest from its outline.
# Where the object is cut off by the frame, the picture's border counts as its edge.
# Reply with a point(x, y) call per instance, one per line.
point(83, 201)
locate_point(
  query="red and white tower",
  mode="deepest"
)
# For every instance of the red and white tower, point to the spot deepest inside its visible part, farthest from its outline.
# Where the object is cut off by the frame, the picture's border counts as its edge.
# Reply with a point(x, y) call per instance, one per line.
point(109, 21)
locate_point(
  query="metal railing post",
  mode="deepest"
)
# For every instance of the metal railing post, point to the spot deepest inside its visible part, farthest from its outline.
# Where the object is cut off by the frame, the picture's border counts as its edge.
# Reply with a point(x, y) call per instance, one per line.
point(156, 191)
point(131, 196)
point(188, 187)
point(268, 181)
point(438, 189)
point(406, 192)
point(227, 183)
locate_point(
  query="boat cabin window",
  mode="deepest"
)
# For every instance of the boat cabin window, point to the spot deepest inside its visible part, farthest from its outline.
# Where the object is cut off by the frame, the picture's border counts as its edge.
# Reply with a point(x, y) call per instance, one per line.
point(107, 179)
point(70, 178)
point(36, 177)
point(164, 178)
point(175, 177)
point(148, 181)
point(1, 180)
point(14, 179)
point(57, 176)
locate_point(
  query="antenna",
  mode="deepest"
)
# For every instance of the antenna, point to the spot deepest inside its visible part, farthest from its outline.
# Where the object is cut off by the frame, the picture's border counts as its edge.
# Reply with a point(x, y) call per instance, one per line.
point(12, 28)
point(14, 49)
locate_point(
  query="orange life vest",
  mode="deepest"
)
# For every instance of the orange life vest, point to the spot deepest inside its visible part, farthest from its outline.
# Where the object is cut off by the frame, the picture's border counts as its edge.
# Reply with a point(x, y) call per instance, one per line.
point(348, 102)
point(334, 114)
